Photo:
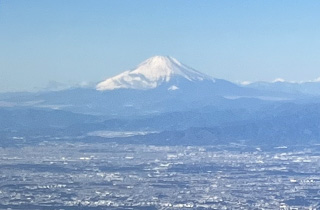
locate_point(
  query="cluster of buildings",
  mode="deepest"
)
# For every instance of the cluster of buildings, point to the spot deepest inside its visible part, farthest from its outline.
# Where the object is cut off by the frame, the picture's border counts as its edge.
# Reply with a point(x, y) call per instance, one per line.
point(121, 176)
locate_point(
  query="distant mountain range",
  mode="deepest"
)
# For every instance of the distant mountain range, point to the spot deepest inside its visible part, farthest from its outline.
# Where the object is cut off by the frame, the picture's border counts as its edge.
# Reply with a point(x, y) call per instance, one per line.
point(181, 104)
point(296, 88)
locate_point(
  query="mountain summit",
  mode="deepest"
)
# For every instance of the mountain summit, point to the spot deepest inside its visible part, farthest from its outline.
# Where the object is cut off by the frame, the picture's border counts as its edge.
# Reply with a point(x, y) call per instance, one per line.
point(154, 72)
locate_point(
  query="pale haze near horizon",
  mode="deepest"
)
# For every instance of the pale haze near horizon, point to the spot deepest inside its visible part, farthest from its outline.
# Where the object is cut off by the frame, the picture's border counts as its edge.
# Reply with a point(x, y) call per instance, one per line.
point(44, 43)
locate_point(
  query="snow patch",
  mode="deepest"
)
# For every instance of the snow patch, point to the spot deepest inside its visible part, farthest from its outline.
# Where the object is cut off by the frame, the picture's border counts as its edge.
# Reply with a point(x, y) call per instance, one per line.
point(317, 80)
point(173, 87)
point(278, 80)
point(245, 83)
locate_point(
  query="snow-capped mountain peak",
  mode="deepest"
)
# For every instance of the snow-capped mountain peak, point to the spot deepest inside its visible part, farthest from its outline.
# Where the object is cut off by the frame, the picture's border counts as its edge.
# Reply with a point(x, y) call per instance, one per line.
point(152, 73)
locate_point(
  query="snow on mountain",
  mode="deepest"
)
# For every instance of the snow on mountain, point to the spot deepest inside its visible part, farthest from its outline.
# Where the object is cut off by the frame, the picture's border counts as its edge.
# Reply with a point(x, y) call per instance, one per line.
point(311, 87)
point(278, 80)
point(152, 73)
point(173, 87)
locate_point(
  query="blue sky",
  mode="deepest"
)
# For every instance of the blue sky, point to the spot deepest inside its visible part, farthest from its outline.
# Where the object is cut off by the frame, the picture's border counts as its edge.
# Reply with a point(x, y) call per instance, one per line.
point(87, 41)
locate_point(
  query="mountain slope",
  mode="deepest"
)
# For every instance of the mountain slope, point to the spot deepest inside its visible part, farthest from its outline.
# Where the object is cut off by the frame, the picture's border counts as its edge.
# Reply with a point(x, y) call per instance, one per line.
point(153, 73)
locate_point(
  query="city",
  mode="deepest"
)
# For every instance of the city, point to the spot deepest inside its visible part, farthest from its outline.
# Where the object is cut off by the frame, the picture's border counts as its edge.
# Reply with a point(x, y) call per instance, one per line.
point(85, 175)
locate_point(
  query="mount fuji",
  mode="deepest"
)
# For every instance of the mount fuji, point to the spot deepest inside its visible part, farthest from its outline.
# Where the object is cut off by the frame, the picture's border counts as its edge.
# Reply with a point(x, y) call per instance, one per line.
point(155, 72)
